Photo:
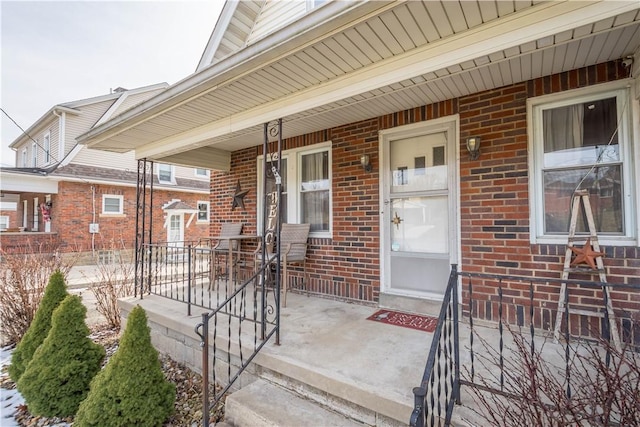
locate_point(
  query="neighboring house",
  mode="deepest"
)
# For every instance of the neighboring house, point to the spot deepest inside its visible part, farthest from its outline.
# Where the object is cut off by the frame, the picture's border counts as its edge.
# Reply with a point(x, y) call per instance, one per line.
point(551, 90)
point(81, 199)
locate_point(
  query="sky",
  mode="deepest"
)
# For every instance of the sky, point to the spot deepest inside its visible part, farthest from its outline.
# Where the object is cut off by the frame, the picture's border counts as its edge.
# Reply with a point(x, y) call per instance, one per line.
point(60, 51)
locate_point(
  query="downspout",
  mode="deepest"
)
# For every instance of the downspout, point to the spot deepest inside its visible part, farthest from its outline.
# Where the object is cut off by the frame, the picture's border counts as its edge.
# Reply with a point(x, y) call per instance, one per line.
point(93, 219)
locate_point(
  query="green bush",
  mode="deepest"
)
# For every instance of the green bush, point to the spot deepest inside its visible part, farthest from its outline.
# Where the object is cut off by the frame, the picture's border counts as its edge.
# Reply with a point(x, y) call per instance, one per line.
point(57, 378)
point(55, 292)
point(131, 390)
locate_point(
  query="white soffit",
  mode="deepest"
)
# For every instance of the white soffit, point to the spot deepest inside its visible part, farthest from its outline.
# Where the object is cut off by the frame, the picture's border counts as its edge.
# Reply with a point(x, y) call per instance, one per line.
point(358, 73)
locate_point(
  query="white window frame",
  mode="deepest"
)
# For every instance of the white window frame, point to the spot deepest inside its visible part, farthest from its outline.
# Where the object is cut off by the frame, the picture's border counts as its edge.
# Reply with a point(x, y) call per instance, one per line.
point(204, 203)
point(4, 222)
point(46, 143)
point(172, 179)
point(113, 196)
point(34, 154)
point(24, 157)
point(201, 175)
point(294, 177)
point(36, 215)
point(625, 106)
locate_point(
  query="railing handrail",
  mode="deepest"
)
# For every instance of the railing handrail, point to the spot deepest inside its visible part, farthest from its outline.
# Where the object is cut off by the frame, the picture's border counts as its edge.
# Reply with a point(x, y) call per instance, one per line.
point(418, 414)
point(533, 279)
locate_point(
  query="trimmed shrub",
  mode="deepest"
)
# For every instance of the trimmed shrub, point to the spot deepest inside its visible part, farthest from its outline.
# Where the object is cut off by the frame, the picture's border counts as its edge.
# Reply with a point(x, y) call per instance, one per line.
point(58, 377)
point(131, 390)
point(55, 292)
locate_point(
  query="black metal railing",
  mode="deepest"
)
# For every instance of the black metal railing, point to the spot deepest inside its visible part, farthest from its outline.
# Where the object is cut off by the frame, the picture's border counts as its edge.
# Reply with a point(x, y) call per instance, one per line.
point(233, 334)
point(513, 317)
point(440, 385)
point(195, 274)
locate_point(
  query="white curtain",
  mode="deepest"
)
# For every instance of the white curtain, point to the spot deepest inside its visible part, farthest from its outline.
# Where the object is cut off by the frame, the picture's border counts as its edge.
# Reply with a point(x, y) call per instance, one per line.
point(563, 128)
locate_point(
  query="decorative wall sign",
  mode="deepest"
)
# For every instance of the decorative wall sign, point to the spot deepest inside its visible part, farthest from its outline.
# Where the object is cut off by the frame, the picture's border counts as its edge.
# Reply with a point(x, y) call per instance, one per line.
point(238, 197)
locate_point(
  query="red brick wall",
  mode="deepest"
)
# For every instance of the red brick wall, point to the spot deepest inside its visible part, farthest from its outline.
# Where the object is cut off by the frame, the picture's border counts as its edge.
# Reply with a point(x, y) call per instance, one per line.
point(494, 197)
point(73, 207)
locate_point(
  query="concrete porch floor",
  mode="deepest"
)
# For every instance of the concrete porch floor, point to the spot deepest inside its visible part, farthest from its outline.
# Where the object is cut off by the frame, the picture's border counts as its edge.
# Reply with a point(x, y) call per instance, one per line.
point(328, 345)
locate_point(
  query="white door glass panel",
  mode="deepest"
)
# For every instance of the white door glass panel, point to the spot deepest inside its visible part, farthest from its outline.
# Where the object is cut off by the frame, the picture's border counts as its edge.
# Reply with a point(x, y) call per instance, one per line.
point(419, 163)
point(420, 224)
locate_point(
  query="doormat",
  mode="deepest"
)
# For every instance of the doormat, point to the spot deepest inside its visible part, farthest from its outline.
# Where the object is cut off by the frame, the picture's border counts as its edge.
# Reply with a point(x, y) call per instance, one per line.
point(413, 321)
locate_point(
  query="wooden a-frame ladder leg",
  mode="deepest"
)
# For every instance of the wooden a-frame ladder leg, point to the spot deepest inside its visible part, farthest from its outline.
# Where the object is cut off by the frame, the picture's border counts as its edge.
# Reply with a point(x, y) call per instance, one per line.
point(581, 197)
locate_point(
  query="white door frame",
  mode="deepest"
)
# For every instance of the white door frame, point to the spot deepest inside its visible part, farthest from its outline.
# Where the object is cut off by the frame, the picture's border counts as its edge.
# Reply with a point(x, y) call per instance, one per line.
point(450, 124)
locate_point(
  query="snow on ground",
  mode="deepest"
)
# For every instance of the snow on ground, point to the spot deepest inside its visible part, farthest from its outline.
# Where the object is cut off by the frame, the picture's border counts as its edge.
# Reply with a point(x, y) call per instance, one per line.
point(9, 399)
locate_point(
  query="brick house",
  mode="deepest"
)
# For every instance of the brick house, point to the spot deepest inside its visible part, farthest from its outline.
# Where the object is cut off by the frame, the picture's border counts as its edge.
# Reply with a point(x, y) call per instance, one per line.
point(79, 199)
point(378, 102)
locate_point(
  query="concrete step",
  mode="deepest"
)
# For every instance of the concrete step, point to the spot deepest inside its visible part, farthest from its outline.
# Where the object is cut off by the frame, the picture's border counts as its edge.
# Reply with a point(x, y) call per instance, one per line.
point(262, 403)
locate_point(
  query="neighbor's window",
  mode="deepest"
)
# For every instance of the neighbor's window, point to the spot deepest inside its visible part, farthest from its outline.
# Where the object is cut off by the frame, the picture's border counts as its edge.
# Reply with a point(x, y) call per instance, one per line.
point(24, 158)
point(583, 143)
point(306, 187)
point(34, 154)
point(202, 172)
point(47, 148)
point(166, 174)
point(112, 204)
point(203, 211)
point(4, 222)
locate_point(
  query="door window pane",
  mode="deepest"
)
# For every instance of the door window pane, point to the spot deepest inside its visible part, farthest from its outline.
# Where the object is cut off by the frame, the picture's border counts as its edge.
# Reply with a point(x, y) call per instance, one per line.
point(420, 224)
point(419, 163)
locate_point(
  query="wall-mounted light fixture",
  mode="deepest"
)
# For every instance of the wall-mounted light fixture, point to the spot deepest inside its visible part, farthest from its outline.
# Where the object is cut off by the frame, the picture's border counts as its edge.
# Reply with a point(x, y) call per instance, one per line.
point(365, 161)
point(473, 146)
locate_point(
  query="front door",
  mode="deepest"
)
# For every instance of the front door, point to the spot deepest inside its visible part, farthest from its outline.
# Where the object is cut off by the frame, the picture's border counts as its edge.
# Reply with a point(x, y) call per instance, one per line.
point(419, 208)
point(175, 237)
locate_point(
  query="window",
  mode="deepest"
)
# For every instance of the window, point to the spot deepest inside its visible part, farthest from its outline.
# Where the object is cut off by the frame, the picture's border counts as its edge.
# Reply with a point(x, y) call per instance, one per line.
point(203, 173)
point(112, 204)
point(165, 174)
point(47, 148)
point(306, 187)
point(24, 157)
point(34, 154)
point(4, 222)
point(582, 142)
point(203, 211)
point(36, 215)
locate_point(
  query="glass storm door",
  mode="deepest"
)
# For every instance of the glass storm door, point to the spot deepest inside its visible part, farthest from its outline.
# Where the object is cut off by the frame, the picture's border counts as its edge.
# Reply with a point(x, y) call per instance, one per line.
point(175, 230)
point(418, 212)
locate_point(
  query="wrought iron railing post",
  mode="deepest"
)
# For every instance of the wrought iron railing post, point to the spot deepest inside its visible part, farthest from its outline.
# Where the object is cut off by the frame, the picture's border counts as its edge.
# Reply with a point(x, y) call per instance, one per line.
point(456, 337)
point(189, 284)
point(418, 415)
point(202, 330)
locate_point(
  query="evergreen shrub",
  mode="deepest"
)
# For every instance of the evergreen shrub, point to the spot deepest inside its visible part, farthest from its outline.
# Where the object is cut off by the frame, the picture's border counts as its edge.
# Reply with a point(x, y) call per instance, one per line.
point(58, 377)
point(54, 293)
point(131, 390)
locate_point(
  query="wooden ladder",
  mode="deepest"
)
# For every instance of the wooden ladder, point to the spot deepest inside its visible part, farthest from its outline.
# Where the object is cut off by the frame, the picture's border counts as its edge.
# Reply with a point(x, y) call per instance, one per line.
point(581, 198)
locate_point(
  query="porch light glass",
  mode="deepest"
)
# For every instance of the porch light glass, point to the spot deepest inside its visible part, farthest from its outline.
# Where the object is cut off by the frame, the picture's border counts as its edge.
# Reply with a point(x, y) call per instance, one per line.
point(473, 146)
point(365, 161)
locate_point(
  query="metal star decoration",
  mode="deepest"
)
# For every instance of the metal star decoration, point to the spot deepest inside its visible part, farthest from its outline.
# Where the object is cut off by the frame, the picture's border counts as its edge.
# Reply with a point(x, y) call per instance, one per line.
point(238, 197)
point(586, 255)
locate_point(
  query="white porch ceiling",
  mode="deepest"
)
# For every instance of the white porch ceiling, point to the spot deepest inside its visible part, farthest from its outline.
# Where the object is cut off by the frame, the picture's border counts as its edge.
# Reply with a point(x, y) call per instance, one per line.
point(410, 54)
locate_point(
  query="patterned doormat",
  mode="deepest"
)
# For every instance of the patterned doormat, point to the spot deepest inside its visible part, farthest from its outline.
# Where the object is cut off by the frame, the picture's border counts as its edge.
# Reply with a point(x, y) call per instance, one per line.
point(413, 321)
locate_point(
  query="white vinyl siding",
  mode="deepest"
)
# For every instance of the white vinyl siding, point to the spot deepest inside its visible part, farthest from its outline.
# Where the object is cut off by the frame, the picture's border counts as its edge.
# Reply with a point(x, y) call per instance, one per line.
point(76, 125)
point(106, 159)
point(274, 15)
point(112, 204)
